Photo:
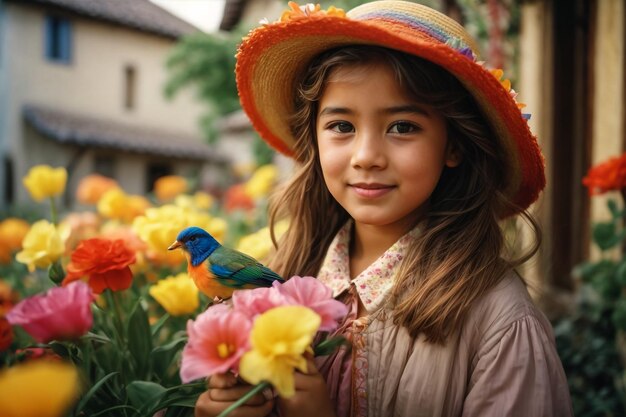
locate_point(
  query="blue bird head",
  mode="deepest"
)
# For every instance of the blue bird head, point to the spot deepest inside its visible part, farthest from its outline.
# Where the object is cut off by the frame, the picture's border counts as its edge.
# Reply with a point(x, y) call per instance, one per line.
point(197, 242)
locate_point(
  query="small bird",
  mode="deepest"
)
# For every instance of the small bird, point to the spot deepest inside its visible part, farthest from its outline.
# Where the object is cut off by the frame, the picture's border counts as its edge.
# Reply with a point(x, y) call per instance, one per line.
point(218, 270)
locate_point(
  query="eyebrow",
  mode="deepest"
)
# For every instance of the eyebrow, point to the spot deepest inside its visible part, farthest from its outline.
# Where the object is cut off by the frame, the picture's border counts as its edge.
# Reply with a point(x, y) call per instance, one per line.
point(409, 108)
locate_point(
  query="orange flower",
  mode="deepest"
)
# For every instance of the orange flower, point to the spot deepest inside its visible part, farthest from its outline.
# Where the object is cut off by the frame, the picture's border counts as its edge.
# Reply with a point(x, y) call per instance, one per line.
point(92, 187)
point(8, 298)
point(6, 334)
point(168, 187)
point(236, 198)
point(296, 11)
point(105, 262)
point(12, 232)
point(607, 176)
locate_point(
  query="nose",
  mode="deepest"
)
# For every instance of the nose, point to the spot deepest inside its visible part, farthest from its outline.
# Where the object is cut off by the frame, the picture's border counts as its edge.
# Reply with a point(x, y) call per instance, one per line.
point(368, 151)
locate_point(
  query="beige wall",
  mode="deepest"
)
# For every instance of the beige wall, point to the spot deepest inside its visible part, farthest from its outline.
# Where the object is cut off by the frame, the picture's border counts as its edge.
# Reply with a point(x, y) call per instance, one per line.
point(93, 84)
point(608, 102)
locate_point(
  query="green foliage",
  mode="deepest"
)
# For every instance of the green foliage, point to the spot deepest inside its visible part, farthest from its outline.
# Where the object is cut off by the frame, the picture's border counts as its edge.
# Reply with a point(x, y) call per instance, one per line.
point(587, 341)
point(206, 62)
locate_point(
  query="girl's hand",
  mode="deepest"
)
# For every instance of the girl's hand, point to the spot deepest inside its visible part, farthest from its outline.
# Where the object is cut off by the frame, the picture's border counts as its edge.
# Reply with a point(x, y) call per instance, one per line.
point(311, 398)
point(224, 390)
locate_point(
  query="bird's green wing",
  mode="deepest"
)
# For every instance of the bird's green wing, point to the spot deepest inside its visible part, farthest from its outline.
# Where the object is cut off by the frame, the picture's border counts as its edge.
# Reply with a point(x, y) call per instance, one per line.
point(236, 269)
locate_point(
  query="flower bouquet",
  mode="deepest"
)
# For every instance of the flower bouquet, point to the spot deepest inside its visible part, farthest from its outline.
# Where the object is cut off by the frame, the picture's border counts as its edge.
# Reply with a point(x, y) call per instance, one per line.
point(263, 335)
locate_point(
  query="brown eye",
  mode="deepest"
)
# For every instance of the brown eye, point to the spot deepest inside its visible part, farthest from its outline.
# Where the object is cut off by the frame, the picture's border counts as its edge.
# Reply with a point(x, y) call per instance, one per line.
point(403, 127)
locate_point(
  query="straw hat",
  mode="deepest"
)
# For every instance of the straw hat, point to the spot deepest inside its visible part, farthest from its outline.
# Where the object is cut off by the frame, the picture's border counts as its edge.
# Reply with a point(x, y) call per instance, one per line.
point(273, 56)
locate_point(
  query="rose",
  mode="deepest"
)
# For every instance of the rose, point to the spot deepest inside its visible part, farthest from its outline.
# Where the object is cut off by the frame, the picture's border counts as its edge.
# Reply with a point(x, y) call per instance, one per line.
point(104, 262)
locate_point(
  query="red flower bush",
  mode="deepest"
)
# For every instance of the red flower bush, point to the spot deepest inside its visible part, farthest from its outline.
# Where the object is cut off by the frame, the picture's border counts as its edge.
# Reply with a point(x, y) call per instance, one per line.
point(6, 334)
point(104, 262)
point(607, 176)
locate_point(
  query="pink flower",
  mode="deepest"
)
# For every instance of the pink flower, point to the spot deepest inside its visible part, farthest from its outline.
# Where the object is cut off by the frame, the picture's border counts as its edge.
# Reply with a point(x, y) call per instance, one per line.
point(257, 301)
point(63, 313)
point(217, 340)
point(311, 293)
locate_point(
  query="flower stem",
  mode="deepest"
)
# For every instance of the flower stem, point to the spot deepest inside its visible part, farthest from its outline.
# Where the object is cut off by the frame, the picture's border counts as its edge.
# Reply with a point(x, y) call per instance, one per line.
point(53, 211)
point(255, 390)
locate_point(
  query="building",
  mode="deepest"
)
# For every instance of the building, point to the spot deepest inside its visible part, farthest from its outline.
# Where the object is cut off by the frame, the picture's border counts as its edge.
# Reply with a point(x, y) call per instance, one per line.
point(81, 86)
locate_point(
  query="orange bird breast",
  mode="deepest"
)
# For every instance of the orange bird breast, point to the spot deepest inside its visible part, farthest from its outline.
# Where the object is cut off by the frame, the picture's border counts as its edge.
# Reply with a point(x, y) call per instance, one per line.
point(206, 282)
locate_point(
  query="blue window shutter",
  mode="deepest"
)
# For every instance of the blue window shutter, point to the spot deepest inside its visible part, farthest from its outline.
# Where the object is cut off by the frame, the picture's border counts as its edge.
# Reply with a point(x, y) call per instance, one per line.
point(65, 40)
point(58, 39)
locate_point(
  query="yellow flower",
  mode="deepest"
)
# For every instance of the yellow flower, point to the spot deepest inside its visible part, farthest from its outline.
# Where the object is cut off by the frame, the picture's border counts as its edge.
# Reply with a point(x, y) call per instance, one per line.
point(42, 246)
point(43, 181)
point(279, 338)
point(38, 389)
point(159, 226)
point(116, 204)
point(178, 295)
point(261, 182)
point(169, 186)
point(200, 200)
point(259, 244)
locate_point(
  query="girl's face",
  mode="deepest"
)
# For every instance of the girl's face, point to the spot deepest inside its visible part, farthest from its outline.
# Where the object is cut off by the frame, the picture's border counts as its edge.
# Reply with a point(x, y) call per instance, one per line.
point(381, 153)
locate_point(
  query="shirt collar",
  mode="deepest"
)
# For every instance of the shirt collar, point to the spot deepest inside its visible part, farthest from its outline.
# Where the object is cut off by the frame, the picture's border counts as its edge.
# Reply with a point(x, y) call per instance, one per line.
point(374, 283)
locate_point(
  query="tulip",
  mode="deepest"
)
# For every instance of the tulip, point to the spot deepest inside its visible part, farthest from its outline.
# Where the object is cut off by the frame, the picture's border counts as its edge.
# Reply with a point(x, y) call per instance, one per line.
point(168, 187)
point(63, 313)
point(178, 295)
point(38, 389)
point(92, 187)
point(43, 181)
point(42, 246)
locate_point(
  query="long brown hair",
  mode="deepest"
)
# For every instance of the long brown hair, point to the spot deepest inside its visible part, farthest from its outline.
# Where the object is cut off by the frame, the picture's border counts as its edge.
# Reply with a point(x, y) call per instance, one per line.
point(459, 254)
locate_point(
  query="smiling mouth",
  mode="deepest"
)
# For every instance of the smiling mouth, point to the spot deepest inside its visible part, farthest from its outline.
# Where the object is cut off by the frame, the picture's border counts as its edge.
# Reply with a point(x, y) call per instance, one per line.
point(371, 190)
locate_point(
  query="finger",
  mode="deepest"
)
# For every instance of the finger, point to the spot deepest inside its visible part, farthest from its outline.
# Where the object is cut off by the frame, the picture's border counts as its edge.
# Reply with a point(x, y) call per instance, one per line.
point(253, 411)
point(235, 393)
point(225, 380)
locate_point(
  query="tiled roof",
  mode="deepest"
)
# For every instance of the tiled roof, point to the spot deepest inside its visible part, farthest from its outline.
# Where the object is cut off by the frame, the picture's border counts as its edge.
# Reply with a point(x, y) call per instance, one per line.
point(78, 130)
point(233, 9)
point(138, 14)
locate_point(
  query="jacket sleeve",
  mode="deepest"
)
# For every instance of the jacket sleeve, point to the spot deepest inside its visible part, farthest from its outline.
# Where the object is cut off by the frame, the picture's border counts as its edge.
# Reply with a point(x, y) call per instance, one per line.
point(519, 373)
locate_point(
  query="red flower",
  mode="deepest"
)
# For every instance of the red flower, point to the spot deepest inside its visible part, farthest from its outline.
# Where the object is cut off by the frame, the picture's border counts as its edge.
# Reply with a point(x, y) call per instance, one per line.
point(105, 262)
point(6, 334)
point(607, 176)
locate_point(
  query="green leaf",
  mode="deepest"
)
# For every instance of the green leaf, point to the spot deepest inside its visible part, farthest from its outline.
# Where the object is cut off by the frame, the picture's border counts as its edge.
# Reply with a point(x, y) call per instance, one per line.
point(620, 273)
point(619, 314)
point(56, 273)
point(604, 234)
point(612, 205)
point(159, 324)
point(144, 393)
point(139, 340)
point(85, 398)
point(162, 356)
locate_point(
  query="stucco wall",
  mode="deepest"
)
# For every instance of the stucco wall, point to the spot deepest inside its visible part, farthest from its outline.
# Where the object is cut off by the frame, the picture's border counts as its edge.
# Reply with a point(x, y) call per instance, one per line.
point(92, 85)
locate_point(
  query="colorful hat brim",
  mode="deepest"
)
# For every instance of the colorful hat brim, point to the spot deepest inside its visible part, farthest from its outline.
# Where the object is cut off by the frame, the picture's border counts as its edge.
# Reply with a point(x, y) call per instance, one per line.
point(271, 58)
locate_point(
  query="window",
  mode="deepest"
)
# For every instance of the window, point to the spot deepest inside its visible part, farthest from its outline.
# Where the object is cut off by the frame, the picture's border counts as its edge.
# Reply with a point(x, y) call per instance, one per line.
point(156, 171)
point(130, 75)
point(58, 43)
point(104, 165)
point(9, 192)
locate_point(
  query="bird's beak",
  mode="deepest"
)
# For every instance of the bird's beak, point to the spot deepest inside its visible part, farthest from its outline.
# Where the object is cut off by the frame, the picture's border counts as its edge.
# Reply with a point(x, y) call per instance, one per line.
point(175, 245)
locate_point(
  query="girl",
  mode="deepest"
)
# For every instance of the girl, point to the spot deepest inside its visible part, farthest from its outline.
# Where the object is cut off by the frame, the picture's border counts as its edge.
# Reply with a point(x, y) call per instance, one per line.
point(408, 154)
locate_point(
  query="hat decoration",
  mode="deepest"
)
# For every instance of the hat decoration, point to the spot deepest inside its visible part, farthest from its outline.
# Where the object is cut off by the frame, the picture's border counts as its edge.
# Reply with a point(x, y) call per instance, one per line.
point(272, 57)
